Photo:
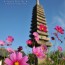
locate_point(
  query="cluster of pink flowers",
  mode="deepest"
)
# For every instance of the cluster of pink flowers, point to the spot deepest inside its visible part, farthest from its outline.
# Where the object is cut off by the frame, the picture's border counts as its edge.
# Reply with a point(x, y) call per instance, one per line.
point(60, 30)
point(36, 36)
point(16, 58)
point(8, 40)
point(40, 51)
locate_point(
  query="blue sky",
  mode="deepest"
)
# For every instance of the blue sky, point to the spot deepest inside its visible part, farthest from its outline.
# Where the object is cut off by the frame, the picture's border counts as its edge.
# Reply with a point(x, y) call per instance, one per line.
point(15, 19)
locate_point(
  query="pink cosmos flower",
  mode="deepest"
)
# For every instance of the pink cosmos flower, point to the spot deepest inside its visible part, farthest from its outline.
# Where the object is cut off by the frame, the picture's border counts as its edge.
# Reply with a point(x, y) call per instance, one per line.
point(36, 36)
point(10, 50)
point(59, 29)
point(59, 48)
point(9, 39)
point(2, 43)
point(29, 42)
point(38, 52)
point(43, 28)
point(44, 48)
point(16, 59)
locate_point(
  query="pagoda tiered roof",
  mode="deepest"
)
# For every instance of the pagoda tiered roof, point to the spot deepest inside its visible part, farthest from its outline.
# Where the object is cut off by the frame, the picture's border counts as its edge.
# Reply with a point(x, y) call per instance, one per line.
point(38, 17)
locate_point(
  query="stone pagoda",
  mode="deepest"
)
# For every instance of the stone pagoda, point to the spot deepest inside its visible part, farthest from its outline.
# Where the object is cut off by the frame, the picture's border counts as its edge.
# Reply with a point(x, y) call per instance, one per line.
point(38, 17)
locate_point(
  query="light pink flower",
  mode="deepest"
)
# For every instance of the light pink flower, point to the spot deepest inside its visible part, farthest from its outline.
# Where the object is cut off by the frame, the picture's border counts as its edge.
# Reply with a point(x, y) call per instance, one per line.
point(38, 52)
point(16, 59)
point(59, 29)
point(44, 48)
point(2, 43)
point(9, 39)
point(29, 42)
point(36, 36)
point(10, 50)
point(59, 48)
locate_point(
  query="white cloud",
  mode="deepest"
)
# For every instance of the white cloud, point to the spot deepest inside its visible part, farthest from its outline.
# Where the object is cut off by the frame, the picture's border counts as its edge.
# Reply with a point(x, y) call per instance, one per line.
point(59, 18)
point(61, 21)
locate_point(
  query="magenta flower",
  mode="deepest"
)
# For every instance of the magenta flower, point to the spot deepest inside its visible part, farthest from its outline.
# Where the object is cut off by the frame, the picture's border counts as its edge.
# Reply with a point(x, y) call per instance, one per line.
point(2, 43)
point(9, 39)
point(59, 29)
point(59, 48)
point(10, 50)
point(29, 42)
point(16, 59)
point(38, 52)
point(43, 28)
point(36, 36)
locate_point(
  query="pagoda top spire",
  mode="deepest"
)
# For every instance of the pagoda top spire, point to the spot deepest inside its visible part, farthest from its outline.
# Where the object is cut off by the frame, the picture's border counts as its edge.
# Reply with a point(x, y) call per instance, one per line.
point(37, 2)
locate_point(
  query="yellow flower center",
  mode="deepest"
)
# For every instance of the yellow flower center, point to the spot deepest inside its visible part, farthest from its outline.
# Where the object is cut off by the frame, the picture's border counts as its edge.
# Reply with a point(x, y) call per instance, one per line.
point(16, 63)
point(42, 28)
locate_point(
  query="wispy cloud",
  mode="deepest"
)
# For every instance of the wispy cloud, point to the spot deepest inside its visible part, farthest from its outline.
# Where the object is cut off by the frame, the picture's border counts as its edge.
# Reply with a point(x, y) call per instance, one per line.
point(59, 18)
point(61, 21)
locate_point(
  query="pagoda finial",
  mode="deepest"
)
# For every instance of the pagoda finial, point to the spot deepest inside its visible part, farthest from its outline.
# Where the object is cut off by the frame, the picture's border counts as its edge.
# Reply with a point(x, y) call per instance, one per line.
point(37, 2)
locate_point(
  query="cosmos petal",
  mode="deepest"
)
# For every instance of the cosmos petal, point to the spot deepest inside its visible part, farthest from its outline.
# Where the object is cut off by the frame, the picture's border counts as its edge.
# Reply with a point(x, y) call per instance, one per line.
point(13, 56)
point(19, 55)
point(25, 58)
point(8, 61)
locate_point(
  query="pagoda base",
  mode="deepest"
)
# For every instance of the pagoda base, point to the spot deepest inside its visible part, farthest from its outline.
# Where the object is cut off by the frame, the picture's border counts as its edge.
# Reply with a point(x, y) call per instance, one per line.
point(41, 62)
